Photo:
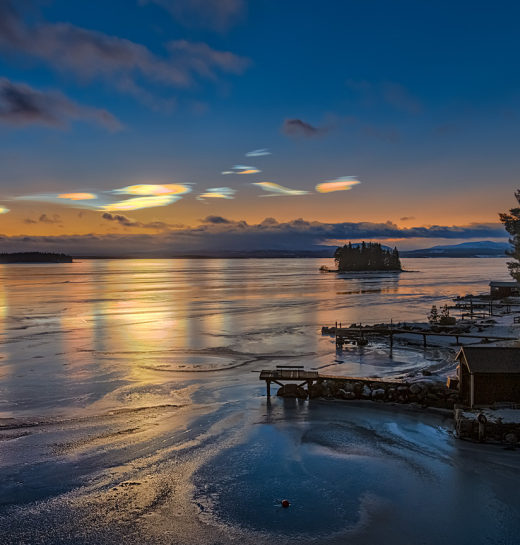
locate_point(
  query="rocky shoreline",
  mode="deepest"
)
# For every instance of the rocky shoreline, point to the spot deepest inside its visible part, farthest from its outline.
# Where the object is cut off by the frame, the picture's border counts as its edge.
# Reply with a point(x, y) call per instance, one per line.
point(425, 392)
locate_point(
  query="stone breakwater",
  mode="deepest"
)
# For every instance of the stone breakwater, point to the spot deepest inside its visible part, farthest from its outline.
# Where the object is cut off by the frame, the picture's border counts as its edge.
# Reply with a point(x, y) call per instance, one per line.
point(488, 425)
point(427, 393)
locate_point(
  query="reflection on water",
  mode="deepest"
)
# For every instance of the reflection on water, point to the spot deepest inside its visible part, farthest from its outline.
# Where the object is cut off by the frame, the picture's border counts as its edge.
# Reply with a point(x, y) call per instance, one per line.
point(83, 327)
point(129, 411)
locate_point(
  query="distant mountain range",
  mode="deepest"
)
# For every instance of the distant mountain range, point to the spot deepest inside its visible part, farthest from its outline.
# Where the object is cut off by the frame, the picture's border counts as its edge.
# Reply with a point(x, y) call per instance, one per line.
point(483, 248)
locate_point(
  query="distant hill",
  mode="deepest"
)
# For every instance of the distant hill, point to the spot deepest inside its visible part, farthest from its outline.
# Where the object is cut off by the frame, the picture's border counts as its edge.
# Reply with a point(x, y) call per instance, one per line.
point(35, 257)
point(483, 248)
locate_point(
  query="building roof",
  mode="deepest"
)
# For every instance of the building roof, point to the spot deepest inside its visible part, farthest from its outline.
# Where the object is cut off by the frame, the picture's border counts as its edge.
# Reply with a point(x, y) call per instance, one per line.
point(496, 284)
point(491, 359)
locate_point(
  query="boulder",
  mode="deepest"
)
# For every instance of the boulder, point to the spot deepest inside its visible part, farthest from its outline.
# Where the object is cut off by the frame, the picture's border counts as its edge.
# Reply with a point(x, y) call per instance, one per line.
point(366, 393)
point(415, 389)
point(378, 394)
point(292, 390)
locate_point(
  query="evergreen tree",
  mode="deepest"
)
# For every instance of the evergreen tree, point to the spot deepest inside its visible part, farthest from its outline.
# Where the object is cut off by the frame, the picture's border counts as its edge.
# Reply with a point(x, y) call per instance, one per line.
point(433, 317)
point(369, 256)
point(511, 222)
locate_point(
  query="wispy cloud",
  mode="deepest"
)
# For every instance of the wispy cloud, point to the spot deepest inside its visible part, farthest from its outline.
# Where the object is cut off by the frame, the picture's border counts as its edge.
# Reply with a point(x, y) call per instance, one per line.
point(128, 222)
point(242, 169)
point(218, 193)
point(44, 218)
point(24, 105)
point(216, 14)
point(143, 196)
point(216, 220)
point(297, 128)
point(407, 218)
point(258, 153)
point(90, 54)
point(276, 190)
point(137, 203)
point(344, 183)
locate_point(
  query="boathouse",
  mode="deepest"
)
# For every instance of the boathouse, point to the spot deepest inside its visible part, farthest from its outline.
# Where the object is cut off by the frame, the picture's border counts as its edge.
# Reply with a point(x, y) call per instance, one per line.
point(488, 375)
point(498, 290)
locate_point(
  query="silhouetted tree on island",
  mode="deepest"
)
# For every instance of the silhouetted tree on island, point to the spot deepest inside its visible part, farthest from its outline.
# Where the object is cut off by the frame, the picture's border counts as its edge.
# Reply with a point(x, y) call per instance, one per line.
point(369, 256)
point(511, 222)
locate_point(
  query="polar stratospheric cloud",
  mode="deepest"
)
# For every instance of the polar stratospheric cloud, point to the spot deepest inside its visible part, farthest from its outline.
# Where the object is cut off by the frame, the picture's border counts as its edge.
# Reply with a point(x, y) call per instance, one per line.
point(258, 153)
point(153, 189)
point(137, 203)
point(276, 190)
point(339, 184)
point(218, 193)
point(77, 196)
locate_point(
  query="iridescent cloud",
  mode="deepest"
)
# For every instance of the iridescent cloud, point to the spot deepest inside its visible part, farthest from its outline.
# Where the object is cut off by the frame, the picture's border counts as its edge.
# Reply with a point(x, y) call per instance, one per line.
point(276, 190)
point(77, 196)
point(137, 203)
point(258, 153)
point(218, 193)
point(339, 184)
point(3, 210)
point(242, 169)
point(153, 189)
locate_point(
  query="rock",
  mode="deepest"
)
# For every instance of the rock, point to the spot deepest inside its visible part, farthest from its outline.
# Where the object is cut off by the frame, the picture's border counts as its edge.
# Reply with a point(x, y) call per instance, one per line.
point(317, 390)
point(292, 390)
point(367, 392)
point(350, 395)
point(426, 373)
point(511, 438)
point(378, 394)
point(342, 394)
point(415, 389)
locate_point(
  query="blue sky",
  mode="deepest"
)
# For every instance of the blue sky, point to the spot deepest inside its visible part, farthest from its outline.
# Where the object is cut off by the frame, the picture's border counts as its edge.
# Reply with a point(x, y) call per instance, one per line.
point(419, 101)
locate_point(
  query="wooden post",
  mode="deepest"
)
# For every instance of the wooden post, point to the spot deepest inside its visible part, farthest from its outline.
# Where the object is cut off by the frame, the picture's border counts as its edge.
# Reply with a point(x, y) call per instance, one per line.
point(424, 340)
point(268, 386)
point(391, 339)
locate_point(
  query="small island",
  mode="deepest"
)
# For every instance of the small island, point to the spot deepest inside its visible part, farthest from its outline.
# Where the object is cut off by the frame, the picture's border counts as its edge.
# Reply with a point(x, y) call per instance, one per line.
point(369, 256)
point(34, 257)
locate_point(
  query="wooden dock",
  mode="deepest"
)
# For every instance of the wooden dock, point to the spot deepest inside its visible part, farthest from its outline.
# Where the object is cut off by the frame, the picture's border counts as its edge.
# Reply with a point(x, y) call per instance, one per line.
point(346, 334)
point(288, 373)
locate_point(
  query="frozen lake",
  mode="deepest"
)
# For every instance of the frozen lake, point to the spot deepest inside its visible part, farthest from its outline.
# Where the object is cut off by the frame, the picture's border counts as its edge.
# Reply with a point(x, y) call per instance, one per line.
point(129, 411)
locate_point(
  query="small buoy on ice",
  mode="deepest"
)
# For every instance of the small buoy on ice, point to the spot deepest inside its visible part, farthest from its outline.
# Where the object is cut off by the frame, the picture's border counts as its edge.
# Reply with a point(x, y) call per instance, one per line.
point(285, 503)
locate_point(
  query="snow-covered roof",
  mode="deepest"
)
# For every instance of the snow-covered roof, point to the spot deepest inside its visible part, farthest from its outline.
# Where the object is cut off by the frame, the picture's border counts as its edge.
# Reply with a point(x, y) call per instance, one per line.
point(491, 359)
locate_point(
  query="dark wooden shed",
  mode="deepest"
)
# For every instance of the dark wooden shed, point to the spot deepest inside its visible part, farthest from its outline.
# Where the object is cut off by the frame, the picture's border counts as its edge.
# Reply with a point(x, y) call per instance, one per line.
point(488, 374)
point(498, 290)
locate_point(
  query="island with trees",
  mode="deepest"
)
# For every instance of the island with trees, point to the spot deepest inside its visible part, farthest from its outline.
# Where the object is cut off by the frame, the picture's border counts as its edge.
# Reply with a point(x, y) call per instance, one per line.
point(367, 256)
point(34, 257)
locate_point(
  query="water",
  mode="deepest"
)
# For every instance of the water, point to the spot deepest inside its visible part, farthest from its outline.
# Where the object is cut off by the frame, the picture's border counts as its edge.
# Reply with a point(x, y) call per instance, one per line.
point(129, 409)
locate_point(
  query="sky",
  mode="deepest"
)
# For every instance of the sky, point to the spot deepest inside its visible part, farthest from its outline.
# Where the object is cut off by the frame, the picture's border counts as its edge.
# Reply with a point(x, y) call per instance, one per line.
point(185, 125)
